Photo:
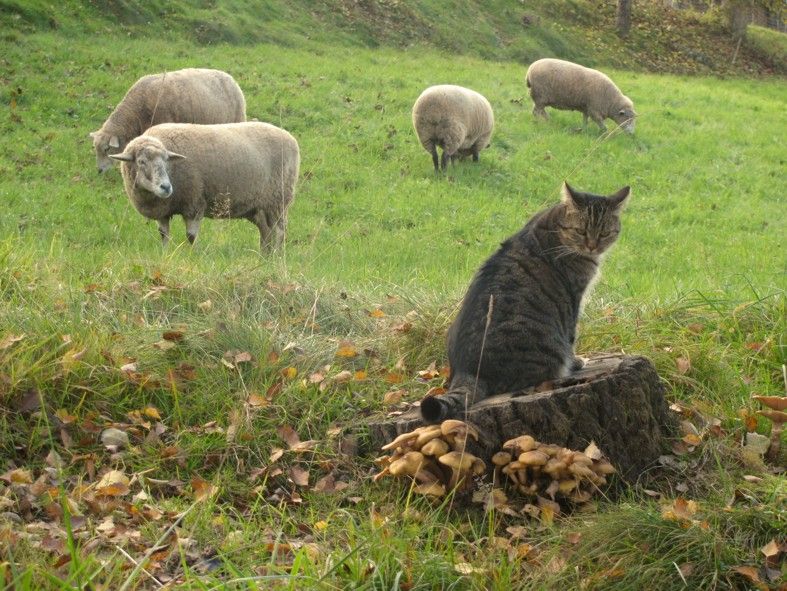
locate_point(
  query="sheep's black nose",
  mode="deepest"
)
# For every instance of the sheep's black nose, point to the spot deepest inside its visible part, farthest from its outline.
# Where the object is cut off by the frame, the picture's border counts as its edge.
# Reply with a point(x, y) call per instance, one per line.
point(166, 187)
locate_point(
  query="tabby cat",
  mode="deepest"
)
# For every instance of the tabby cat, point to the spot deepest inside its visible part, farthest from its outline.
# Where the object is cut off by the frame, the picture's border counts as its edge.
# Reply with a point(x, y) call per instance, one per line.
point(518, 320)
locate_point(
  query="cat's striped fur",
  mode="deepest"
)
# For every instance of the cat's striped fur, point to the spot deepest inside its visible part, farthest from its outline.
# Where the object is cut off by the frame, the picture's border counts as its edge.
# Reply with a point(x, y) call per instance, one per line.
point(517, 324)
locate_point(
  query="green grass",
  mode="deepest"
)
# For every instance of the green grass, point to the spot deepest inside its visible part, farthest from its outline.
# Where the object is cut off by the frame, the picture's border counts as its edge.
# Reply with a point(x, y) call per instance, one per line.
point(698, 273)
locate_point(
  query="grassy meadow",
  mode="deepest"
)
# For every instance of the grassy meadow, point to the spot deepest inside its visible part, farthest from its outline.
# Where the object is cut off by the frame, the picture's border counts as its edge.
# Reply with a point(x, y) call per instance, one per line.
point(696, 283)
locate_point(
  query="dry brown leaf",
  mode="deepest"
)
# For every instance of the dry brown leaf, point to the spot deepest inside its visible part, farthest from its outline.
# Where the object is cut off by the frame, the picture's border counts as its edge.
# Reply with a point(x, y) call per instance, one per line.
point(289, 373)
point(691, 439)
point(163, 345)
point(342, 377)
point(402, 327)
point(751, 573)
point(243, 357)
point(377, 313)
point(257, 401)
point(393, 397)
point(347, 350)
point(770, 549)
point(9, 340)
point(360, 375)
point(299, 476)
point(18, 476)
point(205, 306)
point(71, 358)
point(683, 364)
point(276, 454)
point(173, 335)
point(202, 489)
point(289, 435)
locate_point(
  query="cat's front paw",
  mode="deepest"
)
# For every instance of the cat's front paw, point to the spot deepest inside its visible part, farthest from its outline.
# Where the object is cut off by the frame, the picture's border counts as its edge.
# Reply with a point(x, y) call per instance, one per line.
point(577, 364)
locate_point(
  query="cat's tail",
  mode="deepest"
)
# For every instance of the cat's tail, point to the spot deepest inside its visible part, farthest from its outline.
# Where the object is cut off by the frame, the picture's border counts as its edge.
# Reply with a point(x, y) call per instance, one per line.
point(453, 404)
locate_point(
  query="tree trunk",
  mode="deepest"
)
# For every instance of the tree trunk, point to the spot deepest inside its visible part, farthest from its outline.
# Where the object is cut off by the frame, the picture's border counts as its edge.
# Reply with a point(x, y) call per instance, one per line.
point(739, 13)
point(615, 400)
point(623, 20)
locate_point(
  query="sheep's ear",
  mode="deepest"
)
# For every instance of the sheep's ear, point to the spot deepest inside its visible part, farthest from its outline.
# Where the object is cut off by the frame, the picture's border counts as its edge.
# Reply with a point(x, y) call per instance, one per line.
point(125, 157)
point(568, 196)
point(114, 142)
point(620, 199)
point(174, 156)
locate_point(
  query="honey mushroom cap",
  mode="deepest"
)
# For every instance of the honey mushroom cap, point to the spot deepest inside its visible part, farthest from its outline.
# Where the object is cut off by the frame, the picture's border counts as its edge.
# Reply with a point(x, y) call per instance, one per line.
point(433, 489)
point(774, 402)
point(435, 447)
point(457, 460)
point(501, 458)
point(579, 457)
point(400, 440)
point(409, 464)
point(520, 444)
point(458, 429)
point(778, 417)
point(581, 470)
point(603, 467)
point(426, 434)
point(533, 458)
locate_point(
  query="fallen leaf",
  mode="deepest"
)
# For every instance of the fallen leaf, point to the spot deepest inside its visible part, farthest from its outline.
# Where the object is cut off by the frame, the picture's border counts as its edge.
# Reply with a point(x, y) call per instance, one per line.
point(377, 313)
point(173, 335)
point(289, 373)
point(9, 340)
point(18, 476)
point(342, 377)
point(683, 364)
point(692, 439)
point(393, 397)
point(465, 568)
point(151, 412)
point(276, 454)
point(346, 350)
point(114, 439)
point(299, 476)
point(243, 357)
point(257, 401)
point(752, 574)
point(202, 489)
point(205, 306)
point(770, 549)
point(163, 345)
point(360, 375)
point(288, 434)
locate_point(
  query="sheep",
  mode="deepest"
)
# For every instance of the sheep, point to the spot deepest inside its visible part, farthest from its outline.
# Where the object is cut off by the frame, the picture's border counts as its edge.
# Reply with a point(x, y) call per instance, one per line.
point(193, 95)
point(457, 119)
point(568, 86)
point(230, 170)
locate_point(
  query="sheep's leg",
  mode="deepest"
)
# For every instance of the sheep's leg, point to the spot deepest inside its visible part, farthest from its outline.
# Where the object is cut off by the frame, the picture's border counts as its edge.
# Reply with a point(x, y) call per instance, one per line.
point(540, 111)
point(163, 230)
point(435, 159)
point(268, 235)
point(192, 229)
point(444, 160)
point(599, 120)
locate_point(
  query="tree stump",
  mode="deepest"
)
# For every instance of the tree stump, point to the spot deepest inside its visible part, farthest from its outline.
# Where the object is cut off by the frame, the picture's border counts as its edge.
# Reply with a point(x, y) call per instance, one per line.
point(615, 400)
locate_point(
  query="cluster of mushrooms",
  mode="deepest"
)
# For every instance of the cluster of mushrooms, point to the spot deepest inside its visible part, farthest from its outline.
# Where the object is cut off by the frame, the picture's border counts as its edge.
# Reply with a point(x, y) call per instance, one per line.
point(544, 469)
point(435, 456)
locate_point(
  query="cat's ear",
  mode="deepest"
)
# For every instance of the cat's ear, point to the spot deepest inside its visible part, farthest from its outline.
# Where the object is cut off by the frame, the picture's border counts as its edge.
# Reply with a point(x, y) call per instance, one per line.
point(568, 195)
point(620, 199)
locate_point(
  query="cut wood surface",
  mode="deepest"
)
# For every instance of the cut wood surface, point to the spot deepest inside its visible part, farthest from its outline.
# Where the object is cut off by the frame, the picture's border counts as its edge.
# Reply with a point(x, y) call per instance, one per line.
point(615, 400)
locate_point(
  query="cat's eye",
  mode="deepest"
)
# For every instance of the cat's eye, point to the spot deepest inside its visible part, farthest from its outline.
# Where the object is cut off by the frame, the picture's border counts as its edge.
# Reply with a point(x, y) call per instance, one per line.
point(605, 234)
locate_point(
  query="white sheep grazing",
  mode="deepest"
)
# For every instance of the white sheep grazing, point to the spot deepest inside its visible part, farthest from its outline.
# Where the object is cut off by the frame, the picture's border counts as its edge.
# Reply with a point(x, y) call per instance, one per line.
point(457, 119)
point(193, 95)
point(568, 86)
point(231, 170)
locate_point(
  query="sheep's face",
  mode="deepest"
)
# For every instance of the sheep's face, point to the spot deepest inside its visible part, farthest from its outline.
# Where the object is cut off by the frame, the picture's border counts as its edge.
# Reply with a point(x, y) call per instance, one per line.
point(625, 116)
point(590, 224)
point(149, 166)
point(104, 145)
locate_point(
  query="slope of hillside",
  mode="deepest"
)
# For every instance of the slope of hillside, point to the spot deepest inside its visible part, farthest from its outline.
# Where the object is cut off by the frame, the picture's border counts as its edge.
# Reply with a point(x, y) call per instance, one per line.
point(661, 40)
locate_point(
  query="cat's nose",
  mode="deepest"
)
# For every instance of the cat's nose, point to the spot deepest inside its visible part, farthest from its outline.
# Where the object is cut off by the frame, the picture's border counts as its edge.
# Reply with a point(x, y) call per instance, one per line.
point(591, 244)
